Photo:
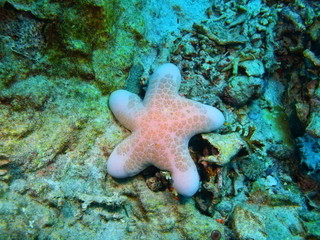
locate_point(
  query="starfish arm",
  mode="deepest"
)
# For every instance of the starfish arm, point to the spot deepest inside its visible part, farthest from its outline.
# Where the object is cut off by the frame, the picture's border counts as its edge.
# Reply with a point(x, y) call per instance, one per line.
point(165, 80)
point(203, 118)
point(184, 174)
point(123, 161)
point(125, 106)
point(214, 118)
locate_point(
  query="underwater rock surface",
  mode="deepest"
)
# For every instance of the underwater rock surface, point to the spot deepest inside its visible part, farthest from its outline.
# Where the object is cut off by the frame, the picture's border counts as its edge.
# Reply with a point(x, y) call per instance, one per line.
point(257, 61)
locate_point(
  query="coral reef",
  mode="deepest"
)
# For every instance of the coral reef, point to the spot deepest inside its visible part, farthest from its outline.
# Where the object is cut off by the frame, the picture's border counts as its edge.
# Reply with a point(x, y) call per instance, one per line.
point(255, 60)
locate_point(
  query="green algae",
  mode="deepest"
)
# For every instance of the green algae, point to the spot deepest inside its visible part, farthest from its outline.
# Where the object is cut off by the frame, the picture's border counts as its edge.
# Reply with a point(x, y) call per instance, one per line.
point(279, 124)
point(92, 40)
point(63, 112)
point(111, 65)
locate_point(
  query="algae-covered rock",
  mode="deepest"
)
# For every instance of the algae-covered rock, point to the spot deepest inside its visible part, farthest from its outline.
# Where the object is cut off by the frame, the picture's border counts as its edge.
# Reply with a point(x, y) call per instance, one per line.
point(313, 127)
point(253, 166)
point(28, 214)
point(99, 47)
point(311, 57)
point(225, 36)
point(253, 67)
point(227, 147)
point(4, 162)
point(263, 222)
point(315, 31)
point(309, 147)
point(243, 218)
point(165, 216)
point(311, 221)
point(294, 17)
point(52, 110)
point(242, 89)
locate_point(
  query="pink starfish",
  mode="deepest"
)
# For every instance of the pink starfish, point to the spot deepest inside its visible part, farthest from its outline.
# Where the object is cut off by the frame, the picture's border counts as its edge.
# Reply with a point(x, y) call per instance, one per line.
point(161, 125)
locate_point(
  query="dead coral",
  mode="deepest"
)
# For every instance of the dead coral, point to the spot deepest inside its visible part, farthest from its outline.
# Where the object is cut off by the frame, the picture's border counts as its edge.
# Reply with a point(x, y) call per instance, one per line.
point(253, 166)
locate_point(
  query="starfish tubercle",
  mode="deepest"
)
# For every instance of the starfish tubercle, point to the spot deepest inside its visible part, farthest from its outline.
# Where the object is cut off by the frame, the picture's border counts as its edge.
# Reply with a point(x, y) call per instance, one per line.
point(161, 125)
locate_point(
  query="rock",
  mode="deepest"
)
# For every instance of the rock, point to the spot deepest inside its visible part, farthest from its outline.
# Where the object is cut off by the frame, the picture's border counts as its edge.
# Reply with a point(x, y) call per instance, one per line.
point(224, 36)
point(253, 67)
point(227, 146)
point(248, 224)
point(3, 172)
point(309, 148)
point(168, 223)
point(133, 80)
point(311, 222)
point(3, 189)
point(253, 166)
point(312, 57)
point(253, 7)
point(270, 181)
point(242, 89)
point(315, 31)
point(19, 185)
point(3, 165)
point(293, 17)
point(252, 221)
point(313, 127)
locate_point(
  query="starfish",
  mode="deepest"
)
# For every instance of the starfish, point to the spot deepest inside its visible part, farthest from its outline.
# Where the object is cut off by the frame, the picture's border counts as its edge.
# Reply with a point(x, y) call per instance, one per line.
point(161, 126)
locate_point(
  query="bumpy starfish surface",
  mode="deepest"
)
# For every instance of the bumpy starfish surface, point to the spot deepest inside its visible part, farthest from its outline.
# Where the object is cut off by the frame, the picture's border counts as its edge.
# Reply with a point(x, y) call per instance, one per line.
point(161, 125)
